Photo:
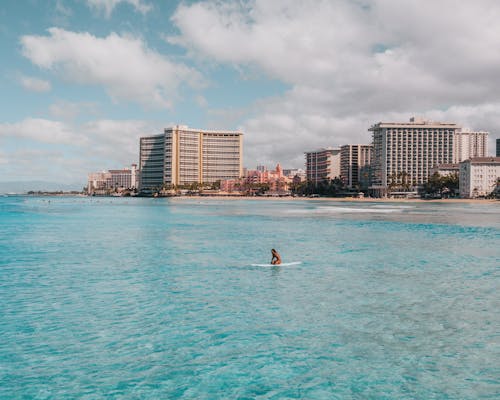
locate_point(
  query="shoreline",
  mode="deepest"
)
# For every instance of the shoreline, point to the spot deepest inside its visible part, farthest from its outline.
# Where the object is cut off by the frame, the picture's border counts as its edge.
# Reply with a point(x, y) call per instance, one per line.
point(270, 198)
point(341, 199)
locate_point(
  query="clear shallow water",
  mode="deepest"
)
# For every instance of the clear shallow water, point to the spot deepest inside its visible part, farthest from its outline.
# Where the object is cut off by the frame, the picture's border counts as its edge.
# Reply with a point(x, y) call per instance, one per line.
point(157, 298)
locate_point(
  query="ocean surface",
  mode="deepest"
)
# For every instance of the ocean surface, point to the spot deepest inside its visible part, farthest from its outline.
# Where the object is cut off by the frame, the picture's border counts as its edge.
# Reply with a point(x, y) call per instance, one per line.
point(133, 298)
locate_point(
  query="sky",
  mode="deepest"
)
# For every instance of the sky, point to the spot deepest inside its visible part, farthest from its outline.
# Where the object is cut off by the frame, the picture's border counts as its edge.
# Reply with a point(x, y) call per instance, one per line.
point(82, 80)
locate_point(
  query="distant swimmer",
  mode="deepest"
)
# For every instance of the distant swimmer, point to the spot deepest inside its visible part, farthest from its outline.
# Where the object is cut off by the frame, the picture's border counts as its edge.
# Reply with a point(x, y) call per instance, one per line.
point(276, 260)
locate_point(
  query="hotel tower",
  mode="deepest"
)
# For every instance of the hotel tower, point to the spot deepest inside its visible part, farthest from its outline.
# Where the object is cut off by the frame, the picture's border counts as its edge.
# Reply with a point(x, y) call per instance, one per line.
point(408, 151)
point(183, 155)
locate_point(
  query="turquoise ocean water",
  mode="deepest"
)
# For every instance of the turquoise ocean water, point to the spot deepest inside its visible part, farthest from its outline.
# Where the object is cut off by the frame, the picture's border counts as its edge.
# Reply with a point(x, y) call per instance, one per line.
point(158, 298)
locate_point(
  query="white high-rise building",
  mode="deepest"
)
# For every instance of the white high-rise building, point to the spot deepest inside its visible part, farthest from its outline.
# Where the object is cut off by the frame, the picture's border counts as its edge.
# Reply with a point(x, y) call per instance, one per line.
point(183, 155)
point(405, 153)
point(323, 164)
point(478, 176)
point(468, 144)
point(112, 180)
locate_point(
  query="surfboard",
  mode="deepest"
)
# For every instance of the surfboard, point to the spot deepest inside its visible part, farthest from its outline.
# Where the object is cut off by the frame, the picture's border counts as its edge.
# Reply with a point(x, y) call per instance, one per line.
point(278, 265)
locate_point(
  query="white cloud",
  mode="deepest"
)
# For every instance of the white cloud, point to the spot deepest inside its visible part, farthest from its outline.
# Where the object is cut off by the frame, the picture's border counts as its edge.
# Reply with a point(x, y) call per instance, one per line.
point(41, 131)
point(67, 111)
point(201, 101)
point(116, 140)
point(62, 11)
point(350, 64)
point(107, 6)
point(66, 152)
point(3, 157)
point(35, 84)
point(123, 65)
point(39, 164)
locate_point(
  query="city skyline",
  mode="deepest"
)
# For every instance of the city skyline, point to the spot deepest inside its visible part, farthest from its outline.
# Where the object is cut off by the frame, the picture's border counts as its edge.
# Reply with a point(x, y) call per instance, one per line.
point(83, 80)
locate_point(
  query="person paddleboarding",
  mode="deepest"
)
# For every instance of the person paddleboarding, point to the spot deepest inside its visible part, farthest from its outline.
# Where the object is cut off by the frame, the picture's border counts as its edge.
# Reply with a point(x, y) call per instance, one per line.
point(276, 260)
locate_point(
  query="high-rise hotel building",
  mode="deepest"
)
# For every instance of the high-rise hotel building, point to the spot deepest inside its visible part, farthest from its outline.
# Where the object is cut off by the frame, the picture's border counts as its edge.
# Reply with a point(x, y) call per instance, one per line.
point(183, 155)
point(408, 151)
point(323, 164)
point(468, 144)
point(355, 162)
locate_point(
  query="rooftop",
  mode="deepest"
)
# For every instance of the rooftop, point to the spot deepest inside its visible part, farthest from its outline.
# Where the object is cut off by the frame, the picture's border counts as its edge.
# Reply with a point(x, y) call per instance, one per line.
point(415, 123)
point(323, 150)
point(188, 129)
point(484, 160)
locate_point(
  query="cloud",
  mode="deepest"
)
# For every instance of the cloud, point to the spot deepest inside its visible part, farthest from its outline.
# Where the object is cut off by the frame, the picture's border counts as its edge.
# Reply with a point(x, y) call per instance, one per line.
point(35, 84)
point(107, 6)
point(3, 157)
point(123, 65)
point(66, 152)
point(201, 101)
point(333, 43)
point(41, 131)
point(349, 64)
point(68, 111)
point(107, 136)
point(34, 164)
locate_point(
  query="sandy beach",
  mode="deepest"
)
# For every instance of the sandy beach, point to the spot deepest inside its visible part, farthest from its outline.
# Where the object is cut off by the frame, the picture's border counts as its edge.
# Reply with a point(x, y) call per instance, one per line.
point(344, 199)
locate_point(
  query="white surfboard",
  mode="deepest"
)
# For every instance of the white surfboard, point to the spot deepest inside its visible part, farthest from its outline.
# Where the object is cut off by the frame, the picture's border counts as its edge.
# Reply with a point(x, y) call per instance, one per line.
point(277, 265)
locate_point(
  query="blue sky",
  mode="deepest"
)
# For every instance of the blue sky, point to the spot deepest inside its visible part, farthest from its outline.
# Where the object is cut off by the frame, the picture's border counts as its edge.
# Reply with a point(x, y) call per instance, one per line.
point(82, 80)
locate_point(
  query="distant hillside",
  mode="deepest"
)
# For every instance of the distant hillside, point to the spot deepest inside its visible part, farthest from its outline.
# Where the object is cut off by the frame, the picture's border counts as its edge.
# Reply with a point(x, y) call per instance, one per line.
point(26, 186)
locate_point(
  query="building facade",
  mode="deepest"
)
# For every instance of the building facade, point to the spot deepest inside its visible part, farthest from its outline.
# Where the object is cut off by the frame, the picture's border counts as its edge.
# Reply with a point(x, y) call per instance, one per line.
point(468, 144)
point(114, 180)
point(355, 160)
point(183, 156)
point(405, 153)
point(498, 147)
point(275, 179)
point(152, 161)
point(323, 164)
point(479, 176)
point(295, 172)
point(445, 169)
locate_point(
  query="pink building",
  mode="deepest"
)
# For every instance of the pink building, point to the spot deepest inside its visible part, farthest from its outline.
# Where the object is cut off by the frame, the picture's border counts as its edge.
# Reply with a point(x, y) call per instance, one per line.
point(274, 178)
point(230, 185)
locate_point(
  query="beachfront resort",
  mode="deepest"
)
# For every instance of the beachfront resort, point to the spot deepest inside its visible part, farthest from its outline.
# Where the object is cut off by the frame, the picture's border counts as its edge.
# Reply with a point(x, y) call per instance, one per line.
point(418, 158)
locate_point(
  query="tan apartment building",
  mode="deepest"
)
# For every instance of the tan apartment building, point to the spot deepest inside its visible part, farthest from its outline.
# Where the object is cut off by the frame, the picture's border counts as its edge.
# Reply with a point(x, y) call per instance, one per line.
point(355, 162)
point(323, 164)
point(182, 156)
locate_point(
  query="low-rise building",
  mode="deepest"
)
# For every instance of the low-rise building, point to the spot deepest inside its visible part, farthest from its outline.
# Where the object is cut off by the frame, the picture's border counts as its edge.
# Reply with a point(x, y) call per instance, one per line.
point(274, 179)
point(295, 172)
point(230, 185)
point(113, 180)
point(445, 169)
point(479, 176)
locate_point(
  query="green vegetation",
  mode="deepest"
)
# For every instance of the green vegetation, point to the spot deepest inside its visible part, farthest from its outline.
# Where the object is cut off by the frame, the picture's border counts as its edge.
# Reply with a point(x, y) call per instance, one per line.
point(441, 186)
point(333, 187)
point(399, 182)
